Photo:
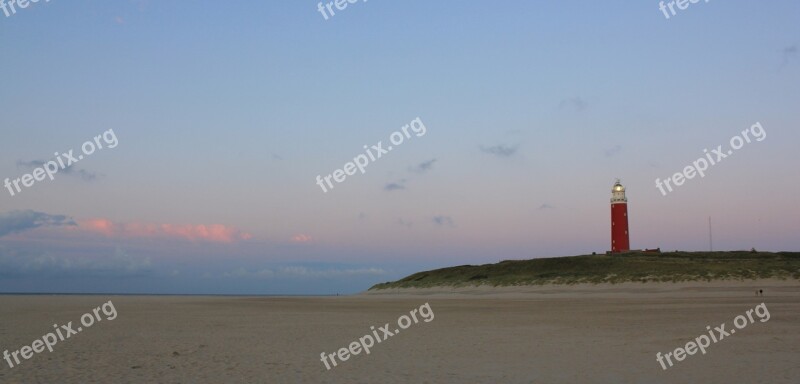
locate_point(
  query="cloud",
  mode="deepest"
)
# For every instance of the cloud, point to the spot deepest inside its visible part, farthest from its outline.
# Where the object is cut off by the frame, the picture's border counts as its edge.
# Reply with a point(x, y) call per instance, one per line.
point(574, 103)
point(423, 167)
point(500, 150)
point(241, 272)
point(294, 271)
point(306, 272)
point(69, 170)
point(141, 5)
point(20, 221)
point(301, 238)
point(444, 221)
point(19, 263)
point(404, 223)
point(420, 168)
point(545, 206)
point(213, 233)
point(399, 185)
point(613, 151)
point(789, 53)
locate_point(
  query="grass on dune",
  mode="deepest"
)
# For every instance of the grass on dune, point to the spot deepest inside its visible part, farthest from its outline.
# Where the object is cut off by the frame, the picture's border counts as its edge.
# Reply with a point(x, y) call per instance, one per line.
point(614, 268)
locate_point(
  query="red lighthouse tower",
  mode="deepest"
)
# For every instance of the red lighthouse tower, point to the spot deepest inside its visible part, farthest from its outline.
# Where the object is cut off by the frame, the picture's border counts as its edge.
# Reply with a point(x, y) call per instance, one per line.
point(620, 241)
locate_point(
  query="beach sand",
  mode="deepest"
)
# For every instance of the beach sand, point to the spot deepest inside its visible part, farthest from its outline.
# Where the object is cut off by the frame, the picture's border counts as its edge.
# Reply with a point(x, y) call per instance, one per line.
point(579, 334)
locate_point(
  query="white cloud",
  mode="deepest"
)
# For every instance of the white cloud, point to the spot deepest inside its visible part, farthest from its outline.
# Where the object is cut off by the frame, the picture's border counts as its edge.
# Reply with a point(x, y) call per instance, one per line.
point(24, 263)
point(295, 271)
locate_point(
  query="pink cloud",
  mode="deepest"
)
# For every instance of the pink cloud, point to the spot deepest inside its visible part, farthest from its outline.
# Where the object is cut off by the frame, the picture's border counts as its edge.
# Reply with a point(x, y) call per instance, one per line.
point(213, 232)
point(301, 238)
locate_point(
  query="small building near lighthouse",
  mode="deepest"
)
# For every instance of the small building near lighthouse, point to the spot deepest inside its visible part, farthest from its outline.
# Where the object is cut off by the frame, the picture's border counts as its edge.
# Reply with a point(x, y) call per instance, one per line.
point(620, 240)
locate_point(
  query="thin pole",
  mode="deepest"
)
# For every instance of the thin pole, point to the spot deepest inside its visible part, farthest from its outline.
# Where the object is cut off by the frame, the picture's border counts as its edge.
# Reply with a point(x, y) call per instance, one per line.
point(710, 243)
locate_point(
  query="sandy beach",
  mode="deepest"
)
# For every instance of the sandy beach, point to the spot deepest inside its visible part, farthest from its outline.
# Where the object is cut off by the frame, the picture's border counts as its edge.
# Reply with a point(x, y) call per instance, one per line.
point(579, 334)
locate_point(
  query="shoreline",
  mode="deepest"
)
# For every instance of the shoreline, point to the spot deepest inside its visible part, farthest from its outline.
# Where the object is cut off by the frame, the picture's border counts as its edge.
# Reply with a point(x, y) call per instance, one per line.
point(717, 288)
point(729, 288)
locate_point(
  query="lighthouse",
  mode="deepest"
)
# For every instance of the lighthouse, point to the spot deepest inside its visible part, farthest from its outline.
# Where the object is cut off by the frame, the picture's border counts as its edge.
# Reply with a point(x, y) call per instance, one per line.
point(619, 219)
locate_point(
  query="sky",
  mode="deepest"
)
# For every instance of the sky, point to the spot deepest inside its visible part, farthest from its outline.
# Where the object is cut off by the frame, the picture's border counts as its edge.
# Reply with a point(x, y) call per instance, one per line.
point(209, 123)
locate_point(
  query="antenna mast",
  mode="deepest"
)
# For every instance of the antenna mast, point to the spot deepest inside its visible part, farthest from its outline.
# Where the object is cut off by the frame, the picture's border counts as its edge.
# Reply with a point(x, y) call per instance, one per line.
point(710, 243)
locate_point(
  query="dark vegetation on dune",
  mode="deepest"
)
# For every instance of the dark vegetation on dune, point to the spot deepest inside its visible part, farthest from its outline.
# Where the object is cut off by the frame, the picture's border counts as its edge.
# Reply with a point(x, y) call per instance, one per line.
point(616, 268)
